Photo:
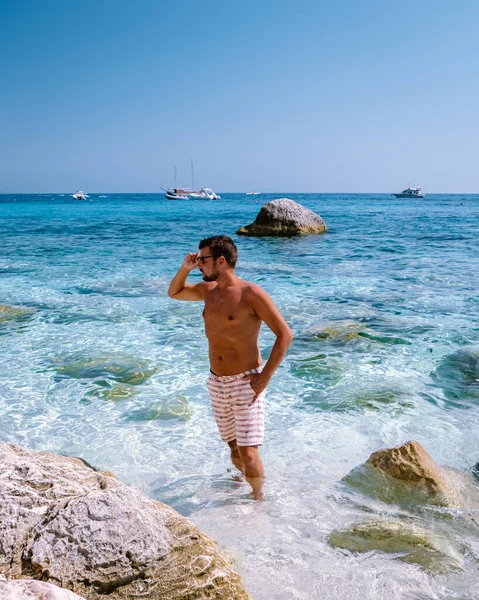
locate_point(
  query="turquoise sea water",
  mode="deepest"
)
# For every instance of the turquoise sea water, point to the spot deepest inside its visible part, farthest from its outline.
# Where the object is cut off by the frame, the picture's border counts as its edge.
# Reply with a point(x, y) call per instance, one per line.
point(96, 361)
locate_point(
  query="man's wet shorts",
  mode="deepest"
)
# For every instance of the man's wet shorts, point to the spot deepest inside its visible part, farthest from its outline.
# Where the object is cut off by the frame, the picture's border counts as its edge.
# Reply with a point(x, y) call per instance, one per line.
point(237, 417)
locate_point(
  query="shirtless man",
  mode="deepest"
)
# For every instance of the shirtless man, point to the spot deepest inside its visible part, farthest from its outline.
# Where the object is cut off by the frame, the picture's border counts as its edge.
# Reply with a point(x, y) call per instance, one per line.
point(233, 313)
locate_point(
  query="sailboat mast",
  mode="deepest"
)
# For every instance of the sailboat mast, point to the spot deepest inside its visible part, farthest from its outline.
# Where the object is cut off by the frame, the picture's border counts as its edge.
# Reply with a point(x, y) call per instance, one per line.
point(192, 176)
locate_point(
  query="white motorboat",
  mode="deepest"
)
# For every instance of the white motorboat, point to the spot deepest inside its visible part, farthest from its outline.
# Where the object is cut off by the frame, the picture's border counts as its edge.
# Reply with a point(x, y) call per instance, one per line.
point(411, 192)
point(252, 193)
point(205, 194)
point(80, 195)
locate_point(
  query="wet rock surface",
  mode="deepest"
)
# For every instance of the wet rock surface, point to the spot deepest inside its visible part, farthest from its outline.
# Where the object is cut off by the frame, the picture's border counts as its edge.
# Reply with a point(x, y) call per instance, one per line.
point(65, 523)
point(284, 217)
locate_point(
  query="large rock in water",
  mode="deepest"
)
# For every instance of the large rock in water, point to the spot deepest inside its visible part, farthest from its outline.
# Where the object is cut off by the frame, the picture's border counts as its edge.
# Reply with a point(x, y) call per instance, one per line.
point(284, 217)
point(408, 476)
point(411, 464)
point(29, 589)
point(65, 523)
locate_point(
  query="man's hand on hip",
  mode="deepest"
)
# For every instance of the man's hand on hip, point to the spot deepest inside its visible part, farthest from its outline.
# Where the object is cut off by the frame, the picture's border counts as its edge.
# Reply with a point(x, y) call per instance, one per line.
point(259, 382)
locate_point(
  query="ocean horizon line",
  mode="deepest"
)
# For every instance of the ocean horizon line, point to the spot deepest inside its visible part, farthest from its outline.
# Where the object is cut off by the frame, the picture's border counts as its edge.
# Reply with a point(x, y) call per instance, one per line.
point(241, 193)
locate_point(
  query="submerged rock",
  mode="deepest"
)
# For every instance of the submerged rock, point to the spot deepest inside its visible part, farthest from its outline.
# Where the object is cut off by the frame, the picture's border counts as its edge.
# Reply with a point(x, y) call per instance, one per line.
point(14, 313)
point(176, 407)
point(341, 333)
point(112, 392)
point(63, 522)
point(413, 544)
point(121, 368)
point(29, 589)
point(284, 217)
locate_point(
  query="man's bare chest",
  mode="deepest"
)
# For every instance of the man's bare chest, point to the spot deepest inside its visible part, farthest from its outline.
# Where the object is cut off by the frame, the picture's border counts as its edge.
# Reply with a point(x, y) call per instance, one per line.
point(227, 308)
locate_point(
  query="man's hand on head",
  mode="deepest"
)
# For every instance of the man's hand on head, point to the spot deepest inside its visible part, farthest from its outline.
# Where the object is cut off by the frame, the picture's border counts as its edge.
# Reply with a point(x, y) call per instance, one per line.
point(191, 261)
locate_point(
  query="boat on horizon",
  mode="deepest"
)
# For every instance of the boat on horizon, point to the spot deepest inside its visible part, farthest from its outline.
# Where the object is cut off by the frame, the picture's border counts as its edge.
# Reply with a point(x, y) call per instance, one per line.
point(175, 193)
point(411, 192)
point(80, 195)
point(252, 193)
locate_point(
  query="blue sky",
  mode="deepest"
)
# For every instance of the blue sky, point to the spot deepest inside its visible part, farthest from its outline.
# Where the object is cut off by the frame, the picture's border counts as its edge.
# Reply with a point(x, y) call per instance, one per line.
point(278, 96)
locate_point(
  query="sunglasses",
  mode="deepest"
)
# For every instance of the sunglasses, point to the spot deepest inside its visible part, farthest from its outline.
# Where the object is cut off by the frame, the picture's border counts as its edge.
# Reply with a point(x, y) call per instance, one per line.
point(203, 258)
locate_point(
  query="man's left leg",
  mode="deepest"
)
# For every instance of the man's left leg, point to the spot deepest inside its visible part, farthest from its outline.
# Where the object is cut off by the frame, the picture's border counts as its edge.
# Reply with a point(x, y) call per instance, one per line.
point(253, 469)
point(249, 423)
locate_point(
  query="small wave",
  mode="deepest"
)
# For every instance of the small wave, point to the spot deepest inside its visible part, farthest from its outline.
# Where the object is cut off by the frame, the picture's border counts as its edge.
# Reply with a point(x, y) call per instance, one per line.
point(458, 375)
point(68, 319)
point(443, 238)
point(121, 289)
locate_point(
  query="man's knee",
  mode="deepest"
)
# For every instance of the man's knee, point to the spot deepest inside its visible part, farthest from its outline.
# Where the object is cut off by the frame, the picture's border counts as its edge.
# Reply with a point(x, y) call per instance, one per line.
point(249, 455)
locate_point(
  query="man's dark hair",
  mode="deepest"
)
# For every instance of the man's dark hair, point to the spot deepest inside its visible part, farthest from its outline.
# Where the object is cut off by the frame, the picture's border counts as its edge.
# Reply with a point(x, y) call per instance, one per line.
point(221, 245)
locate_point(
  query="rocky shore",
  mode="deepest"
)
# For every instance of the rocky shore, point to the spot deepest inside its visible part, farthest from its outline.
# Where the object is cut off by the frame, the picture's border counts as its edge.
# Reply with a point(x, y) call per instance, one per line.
point(64, 523)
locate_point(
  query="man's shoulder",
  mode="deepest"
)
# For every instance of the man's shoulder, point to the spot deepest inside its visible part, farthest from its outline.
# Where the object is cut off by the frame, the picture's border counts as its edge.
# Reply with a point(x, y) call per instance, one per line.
point(253, 290)
point(206, 286)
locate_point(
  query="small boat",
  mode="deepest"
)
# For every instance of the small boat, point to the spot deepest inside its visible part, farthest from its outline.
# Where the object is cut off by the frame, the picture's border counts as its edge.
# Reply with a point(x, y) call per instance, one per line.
point(252, 193)
point(80, 195)
point(411, 192)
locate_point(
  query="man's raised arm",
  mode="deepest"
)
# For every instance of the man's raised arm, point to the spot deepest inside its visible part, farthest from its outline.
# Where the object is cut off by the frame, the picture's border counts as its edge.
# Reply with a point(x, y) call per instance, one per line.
point(179, 289)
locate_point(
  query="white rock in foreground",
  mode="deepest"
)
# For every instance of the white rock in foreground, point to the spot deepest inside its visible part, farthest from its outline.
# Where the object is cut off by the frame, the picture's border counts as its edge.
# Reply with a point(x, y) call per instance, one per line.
point(29, 589)
point(83, 530)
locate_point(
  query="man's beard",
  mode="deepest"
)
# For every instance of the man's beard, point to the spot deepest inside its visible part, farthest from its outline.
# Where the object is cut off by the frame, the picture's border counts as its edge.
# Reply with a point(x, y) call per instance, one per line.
point(213, 277)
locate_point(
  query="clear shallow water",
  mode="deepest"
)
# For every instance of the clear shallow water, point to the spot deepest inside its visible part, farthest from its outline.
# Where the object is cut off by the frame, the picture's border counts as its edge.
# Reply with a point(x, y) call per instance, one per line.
point(97, 361)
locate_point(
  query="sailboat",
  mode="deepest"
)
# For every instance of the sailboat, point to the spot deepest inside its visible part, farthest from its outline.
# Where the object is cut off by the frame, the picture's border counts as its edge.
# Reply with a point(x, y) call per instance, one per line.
point(176, 193)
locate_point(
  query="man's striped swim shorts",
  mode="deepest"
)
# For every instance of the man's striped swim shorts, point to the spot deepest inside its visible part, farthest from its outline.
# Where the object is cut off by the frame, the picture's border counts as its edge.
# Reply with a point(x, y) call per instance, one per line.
point(237, 416)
